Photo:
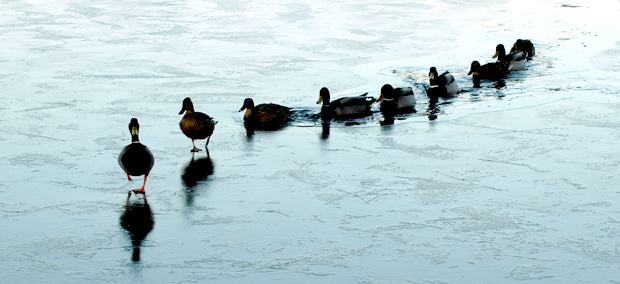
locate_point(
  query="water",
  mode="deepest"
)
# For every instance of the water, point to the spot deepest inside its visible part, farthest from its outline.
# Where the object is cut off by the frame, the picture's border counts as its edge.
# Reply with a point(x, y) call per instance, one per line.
point(509, 184)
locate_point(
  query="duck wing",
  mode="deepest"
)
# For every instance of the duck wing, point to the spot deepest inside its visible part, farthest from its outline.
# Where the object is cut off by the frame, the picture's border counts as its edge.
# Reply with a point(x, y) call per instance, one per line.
point(271, 115)
point(405, 99)
point(354, 106)
point(517, 56)
point(494, 70)
point(403, 92)
point(204, 125)
point(203, 117)
point(446, 78)
point(353, 101)
point(273, 108)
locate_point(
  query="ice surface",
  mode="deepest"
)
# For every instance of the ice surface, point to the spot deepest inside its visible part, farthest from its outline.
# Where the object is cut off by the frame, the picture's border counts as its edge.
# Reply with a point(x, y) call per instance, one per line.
point(514, 184)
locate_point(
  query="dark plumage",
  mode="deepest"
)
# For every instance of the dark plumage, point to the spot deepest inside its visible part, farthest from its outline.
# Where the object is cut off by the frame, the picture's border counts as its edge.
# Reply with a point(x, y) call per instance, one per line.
point(516, 60)
point(395, 101)
point(524, 45)
point(445, 83)
point(136, 159)
point(264, 116)
point(196, 125)
point(345, 107)
point(491, 71)
point(389, 105)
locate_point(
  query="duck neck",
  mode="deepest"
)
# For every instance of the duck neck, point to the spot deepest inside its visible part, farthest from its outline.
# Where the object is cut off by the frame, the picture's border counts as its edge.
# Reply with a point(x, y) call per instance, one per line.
point(476, 79)
point(501, 56)
point(189, 107)
point(134, 134)
point(248, 112)
point(326, 100)
point(434, 79)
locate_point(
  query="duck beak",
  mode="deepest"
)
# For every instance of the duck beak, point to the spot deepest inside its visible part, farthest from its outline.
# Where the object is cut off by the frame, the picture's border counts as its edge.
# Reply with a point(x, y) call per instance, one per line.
point(496, 54)
point(182, 110)
point(242, 108)
point(320, 100)
point(431, 76)
point(134, 131)
point(380, 97)
point(470, 71)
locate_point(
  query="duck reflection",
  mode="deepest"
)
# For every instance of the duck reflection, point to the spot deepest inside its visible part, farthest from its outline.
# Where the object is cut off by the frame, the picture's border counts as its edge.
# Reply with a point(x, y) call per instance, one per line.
point(249, 131)
point(432, 111)
point(137, 220)
point(197, 170)
point(325, 130)
point(500, 84)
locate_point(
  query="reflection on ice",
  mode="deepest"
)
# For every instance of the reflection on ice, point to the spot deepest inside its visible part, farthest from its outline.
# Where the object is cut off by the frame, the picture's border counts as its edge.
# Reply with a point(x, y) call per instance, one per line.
point(325, 130)
point(137, 220)
point(196, 171)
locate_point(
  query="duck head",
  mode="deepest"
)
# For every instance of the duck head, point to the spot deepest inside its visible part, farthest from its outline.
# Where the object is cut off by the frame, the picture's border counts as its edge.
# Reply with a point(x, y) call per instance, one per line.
point(433, 76)
point(475, 72)
point(432, 73)
point(387, 92)
point(500, 52)
point(247, 104)
point(516, 46)
point(188, 106)
point(474, 68)
point(134, 129)
point(324, 96)
point(519, 45)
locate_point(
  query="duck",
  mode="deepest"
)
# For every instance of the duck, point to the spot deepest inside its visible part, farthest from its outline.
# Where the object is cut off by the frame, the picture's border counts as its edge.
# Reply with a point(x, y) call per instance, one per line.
point(196, 125)
point(345, 107)
point(524, 45)
point(388, 105)
point(264, 116)
point(517, 60)
point(136, 159)
point(404, 99)
point(491, 71)
point(445, 82)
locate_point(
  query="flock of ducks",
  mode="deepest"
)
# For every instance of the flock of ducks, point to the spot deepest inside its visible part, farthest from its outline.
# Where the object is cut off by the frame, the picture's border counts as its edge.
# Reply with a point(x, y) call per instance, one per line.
point(137, 160)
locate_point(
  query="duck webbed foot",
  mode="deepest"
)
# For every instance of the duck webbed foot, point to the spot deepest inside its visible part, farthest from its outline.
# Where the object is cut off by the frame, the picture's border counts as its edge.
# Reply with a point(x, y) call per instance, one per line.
point(141, 189)
point(194, 149)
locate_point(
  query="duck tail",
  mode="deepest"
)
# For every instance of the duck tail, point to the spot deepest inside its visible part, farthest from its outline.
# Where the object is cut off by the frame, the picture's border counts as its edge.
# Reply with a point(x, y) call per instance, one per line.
point(215, 122)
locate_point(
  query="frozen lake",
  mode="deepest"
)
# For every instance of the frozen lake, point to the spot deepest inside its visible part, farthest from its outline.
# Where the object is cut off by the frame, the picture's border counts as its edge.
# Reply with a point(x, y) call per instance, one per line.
point(510, 184)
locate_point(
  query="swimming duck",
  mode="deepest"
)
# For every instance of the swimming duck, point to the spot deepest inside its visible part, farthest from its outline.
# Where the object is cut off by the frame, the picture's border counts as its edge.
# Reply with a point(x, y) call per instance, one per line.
point(196, 125)
point(445, 82)
point(491, 71)
point(389, 104)
point(524, 45)
point(136, 159)
point(517, 60)
point(356, 106)
point(404, 99)
point(264, 116)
